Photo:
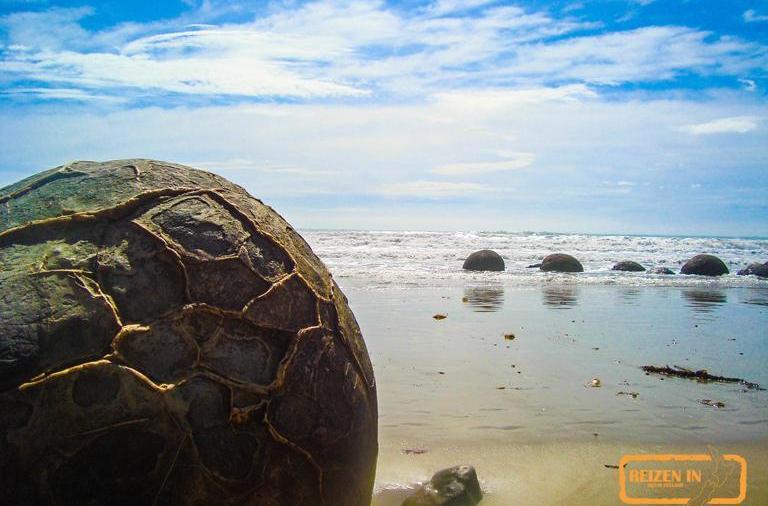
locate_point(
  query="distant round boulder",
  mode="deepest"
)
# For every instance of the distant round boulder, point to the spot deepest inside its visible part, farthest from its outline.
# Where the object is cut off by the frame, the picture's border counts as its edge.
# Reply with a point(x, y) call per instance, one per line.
point(484, 260)
point(705, 265)
point(560, 262)
point(756, 269)
point(629, 266)
point(662, 270)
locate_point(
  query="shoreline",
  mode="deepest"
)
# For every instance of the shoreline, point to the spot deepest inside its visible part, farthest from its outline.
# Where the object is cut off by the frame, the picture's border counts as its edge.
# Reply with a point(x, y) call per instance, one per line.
point(549, 473)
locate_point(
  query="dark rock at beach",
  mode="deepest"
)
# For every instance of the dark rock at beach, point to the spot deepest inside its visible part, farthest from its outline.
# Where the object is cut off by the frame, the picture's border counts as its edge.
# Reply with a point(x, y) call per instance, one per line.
point(628, 265)
point(755, 269)
point(560, 262)
point(455, 486)
point(704, 265)
point(662, 270)
point(484, 260)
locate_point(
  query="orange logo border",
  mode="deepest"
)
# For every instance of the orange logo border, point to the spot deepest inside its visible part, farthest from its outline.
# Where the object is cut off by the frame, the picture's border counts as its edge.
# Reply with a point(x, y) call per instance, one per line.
point(703, 457)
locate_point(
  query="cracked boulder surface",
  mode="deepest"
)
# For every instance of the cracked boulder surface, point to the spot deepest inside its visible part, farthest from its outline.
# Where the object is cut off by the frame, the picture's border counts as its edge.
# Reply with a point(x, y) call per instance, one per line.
point(165, 338)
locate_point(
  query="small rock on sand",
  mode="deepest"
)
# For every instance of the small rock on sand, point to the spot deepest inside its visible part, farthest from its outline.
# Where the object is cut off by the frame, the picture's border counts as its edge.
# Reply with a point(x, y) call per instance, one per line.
point(455, 486)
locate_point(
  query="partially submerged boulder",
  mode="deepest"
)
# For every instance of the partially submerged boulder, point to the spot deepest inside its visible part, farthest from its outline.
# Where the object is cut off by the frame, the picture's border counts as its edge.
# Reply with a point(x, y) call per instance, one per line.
point(662, 270)
point(628, 266)
point(455, 486)
point(755, 269)
point(484, 260)
point(705, 265)
point(560, 262)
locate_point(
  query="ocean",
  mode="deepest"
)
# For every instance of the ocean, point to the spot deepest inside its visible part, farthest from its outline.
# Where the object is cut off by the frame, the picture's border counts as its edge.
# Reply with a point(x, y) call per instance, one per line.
point(522, 410)
point(389, 258)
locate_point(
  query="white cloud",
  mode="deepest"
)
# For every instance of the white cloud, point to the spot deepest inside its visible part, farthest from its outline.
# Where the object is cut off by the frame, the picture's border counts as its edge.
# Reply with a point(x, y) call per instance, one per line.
point(512, 161)
point(749, 84)
point(353, 49)
point(242, 164)
point(485, 99)
point(70, 94)
point(303, 158)
point(442, 7)
point(644, 54)
point(225, 62)
point(736, 124)
point(751, 16)
point(55, 28)
point(433, 189)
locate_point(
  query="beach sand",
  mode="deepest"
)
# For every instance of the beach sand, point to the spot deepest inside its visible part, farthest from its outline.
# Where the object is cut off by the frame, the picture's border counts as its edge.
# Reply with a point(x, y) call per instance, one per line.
point(559, 473)
point(456, 391)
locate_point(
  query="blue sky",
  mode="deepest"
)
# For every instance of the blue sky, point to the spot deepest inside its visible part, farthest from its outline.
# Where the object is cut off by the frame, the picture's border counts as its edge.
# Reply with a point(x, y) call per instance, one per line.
point(617, 116)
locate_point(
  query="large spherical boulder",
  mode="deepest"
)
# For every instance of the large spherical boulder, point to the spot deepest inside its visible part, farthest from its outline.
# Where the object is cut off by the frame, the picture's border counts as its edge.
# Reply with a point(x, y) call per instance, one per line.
point(755, 269)
point(484, 260)
point(165, 338)
point(560, 262)
point(704, 265)
point(628, 266)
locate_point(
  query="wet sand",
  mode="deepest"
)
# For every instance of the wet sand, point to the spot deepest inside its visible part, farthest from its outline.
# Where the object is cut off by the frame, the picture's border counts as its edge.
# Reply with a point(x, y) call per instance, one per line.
point(563, 473)
point(520, 410)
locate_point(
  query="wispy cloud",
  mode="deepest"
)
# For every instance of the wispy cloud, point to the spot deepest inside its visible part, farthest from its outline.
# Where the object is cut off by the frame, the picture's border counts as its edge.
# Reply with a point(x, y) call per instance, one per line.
point(499, 98)
point(653, 53)
point(749, 84)
point(442, 7)
point(751, 16)
point(735, 125)
point(66, 94)
point(434, 189)
point(244, 164)
point(358, 50)
point(511, 161)
point(378, 153)
point(534, 116)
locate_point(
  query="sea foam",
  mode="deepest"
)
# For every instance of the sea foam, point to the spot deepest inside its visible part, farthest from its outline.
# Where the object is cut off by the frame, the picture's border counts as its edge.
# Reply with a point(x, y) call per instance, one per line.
point(434, 258)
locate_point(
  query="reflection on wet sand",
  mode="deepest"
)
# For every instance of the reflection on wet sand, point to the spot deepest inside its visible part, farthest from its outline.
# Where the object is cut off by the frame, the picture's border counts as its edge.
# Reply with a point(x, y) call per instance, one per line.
point(756, 297)
point(484, 299)
point(560, 297)
point(704, 301)
point(629, 295)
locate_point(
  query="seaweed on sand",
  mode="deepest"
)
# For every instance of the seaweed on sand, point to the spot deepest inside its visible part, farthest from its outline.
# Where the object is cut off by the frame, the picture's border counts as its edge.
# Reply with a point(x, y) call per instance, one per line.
point(699, 375)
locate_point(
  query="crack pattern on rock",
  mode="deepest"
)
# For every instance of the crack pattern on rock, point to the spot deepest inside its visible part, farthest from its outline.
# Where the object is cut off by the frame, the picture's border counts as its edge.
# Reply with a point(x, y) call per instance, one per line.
point(171, 309)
